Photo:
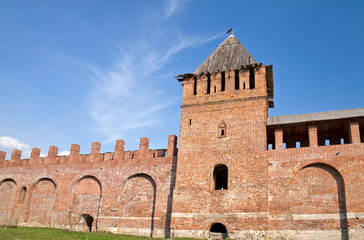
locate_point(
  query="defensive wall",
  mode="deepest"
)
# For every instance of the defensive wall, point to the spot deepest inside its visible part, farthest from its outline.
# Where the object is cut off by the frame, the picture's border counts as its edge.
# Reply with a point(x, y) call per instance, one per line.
point(124, 191)
point(238, 173)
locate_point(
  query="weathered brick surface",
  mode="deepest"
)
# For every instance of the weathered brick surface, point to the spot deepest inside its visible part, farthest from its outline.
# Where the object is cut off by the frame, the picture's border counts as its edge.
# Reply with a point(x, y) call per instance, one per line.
point(122, 195)
point(308, 192)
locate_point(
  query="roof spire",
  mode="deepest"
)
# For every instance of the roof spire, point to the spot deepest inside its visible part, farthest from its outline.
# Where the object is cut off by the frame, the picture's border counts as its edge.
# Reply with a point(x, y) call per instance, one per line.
point(230, 31)
point(229, 55)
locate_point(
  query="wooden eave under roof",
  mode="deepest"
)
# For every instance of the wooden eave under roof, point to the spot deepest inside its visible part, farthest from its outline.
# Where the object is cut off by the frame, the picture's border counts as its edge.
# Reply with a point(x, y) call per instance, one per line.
point(316, 117)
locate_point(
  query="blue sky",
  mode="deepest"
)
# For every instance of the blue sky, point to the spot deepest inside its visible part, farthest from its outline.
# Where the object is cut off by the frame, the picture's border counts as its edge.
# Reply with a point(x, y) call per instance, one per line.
point(84, 71)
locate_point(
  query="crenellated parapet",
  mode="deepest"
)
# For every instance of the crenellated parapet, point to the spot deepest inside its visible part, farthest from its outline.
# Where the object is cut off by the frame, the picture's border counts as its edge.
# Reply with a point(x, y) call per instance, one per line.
point(118, 155)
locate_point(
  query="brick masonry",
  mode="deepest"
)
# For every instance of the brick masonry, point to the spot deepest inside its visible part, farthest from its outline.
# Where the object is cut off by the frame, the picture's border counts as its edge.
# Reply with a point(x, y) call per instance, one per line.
point(277, 192)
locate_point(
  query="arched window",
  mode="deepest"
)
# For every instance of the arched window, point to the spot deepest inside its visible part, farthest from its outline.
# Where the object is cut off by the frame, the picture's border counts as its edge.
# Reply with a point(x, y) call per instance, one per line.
point(218, 231)
point(22, 195)
point(221, 177)
point(221, 129)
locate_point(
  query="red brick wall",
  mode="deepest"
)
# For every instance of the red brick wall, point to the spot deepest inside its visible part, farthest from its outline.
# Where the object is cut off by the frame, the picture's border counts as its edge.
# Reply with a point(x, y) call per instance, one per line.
point(42, 197)
point(196, 204)
point(311, 192)
point(122, 195)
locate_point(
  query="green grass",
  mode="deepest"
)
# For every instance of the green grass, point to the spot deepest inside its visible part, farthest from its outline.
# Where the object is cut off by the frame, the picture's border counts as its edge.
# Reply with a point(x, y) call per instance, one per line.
point(21, 233)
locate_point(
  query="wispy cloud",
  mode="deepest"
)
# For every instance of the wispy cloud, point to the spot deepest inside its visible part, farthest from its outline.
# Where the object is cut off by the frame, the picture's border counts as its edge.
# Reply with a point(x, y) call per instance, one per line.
point(123, 97)
point(170, 7)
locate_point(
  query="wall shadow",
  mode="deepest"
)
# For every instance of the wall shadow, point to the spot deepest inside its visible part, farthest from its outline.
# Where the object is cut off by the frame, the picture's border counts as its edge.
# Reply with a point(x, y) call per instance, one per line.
point(167, 228)
point(341, 196)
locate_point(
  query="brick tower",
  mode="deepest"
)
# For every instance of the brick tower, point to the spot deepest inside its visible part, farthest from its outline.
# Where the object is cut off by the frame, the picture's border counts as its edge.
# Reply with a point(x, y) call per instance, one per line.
point(222, 173)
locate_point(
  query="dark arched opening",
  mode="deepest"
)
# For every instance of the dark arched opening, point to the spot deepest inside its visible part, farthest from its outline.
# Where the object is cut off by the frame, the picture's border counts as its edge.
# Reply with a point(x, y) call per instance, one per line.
point(22, 195)
point(89, 220)
point(221, 177)
point(218, 231)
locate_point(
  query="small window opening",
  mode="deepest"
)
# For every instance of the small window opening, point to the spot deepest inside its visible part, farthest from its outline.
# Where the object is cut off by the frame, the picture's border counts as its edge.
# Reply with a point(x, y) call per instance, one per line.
point(215, 89)
point(195, 86)
point(298, 144)
point(22, 196)
point(208, 83)
point(132, 156)
point(244, 85)
point(327, 142)
point(222, 81)
point(88, 219)
point(221, 129)
point(218, 231)
point(221, 177)
point(237, 80)
point(190, 122)
point(154, 154)
point(252, 78)
point(270, 146)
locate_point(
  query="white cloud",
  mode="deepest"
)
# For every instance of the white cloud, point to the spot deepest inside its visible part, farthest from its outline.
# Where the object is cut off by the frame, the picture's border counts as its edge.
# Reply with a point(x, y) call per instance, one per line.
point(8, 144)
point(64, 153)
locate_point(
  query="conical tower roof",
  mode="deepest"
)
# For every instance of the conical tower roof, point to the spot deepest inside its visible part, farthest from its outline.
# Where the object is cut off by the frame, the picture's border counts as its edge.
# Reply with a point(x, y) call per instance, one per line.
point(229, 55)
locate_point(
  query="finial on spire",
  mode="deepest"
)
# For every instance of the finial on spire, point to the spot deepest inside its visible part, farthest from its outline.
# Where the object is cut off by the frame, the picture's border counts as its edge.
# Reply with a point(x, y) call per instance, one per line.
point(230, 31)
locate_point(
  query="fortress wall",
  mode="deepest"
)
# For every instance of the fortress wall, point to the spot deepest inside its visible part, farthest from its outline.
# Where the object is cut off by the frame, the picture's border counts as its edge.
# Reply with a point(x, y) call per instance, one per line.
point(317, 192)
point(117, 191)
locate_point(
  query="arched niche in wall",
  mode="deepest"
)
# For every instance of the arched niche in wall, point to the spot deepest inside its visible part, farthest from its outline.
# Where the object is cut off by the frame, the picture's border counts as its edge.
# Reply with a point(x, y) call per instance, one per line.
point(222, 130)
point(138, 203)
point(41, 202)
point(319, 189)
point(86, 202)
point(8, 190)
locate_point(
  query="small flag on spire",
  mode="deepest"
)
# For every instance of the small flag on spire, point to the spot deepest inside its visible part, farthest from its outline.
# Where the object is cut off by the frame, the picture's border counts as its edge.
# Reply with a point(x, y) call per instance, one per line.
point(230, 31)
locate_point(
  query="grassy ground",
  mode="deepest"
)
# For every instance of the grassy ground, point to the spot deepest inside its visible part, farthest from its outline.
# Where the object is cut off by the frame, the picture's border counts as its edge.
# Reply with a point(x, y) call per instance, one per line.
point(21, 233)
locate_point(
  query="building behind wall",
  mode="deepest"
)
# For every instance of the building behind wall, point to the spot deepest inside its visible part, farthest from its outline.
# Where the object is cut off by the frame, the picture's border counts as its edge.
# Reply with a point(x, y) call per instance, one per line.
point(237, 173)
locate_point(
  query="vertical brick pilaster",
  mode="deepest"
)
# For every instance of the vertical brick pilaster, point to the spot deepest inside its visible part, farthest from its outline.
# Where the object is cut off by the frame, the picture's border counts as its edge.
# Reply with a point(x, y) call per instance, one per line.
point(354, 132)
point(278, 135)
point(312, 135)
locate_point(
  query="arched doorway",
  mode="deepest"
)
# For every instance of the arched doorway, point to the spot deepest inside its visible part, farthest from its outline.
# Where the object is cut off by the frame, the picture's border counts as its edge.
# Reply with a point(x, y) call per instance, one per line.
point(218, 231)
point(88, 220)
